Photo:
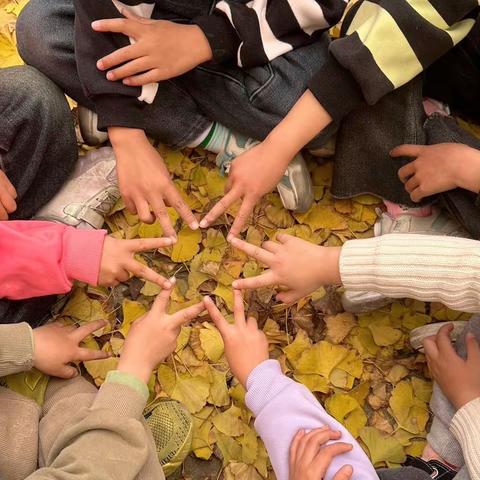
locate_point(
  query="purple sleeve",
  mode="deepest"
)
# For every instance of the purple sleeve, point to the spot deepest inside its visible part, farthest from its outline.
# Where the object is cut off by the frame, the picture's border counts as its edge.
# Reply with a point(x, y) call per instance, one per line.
point(282, 407)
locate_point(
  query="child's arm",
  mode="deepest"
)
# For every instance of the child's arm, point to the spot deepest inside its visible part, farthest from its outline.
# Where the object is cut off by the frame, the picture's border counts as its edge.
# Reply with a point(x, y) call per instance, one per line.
point(438, 168)
point(43, 258)
point(379, 51)
point(459, 380)
point(51, 348)
point(281, 406)
point(108, 439)
point(423, 267)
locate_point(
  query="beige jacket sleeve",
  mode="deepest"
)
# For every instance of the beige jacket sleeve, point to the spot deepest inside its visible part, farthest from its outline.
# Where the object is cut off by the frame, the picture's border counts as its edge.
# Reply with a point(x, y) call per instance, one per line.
point(99, 436)
point(16, 348)
point(466, 428)
point(423, 267)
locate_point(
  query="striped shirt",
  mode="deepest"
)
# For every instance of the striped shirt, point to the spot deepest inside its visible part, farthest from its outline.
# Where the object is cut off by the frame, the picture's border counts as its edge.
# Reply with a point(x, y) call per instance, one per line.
point(383, 45)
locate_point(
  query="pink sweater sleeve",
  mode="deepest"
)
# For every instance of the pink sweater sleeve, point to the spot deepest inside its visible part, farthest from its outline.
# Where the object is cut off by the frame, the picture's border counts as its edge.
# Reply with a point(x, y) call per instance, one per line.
point(43, 258)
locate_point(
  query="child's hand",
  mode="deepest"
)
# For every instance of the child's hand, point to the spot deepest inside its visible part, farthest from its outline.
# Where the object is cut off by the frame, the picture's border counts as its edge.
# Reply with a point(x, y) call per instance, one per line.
point(8, 195)
point(246, 346)
point(296, 264)
point(57, 345)
point(162, 49)
point(118, 261)
point(252, 175)
point(459, 379)
point(145, 182)
point(438, 168)
point(153, 337)
point(310, 457)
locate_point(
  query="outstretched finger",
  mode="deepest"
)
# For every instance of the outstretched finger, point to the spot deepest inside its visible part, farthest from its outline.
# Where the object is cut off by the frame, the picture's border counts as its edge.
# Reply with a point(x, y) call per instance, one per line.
point(132, 67)
point(142, 271)
point(315, 440)
point(178, 203)
point(188, 314)
point(147, 244)
point(242, 217)
point(85, 330)
point(128, 27)
point(215, 314)
point(264, 280)
point(220, 207)
point(407, 150)
point(118, 57)
point(161, 213)
point(258, 253)
point(161, 302)
point(238, 308)
point(152, 76)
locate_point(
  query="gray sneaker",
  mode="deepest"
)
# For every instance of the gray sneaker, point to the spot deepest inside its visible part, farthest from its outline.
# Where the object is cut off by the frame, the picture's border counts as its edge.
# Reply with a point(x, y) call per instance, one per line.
point(88, 125)
point(89, 194)
point(295, 188)
point(418, 335)
point(438, 223)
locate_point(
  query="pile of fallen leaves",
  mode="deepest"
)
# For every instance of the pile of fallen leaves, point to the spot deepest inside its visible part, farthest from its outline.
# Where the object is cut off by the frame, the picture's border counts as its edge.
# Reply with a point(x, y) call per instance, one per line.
point(361, 368)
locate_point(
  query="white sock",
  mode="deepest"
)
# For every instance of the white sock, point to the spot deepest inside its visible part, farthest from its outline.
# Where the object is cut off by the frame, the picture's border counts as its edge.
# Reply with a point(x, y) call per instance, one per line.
point(198, 141)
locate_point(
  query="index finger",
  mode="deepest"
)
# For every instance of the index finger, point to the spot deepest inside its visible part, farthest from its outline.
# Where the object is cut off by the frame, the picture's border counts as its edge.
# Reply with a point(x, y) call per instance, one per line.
point(238, 308)
point(407, 150)
point(216, 315)
point(146, 244)
point(142, 271)
point(242, 216)
point(85, 330)
point(326, 455)
point(254, 251)
point(220, 207)
point(161, 213)
point(116, 25)
point(178, 203)
point(187, 314)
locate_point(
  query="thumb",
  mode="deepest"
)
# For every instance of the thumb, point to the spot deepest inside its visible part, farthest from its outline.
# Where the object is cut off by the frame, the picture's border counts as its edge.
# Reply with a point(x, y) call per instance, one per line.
point(473, 349)
point(67, 371)
point(407, 151)
point(345, 473)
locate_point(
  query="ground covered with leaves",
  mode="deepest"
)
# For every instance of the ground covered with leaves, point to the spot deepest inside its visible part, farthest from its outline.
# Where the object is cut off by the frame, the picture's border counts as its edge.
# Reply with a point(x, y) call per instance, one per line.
point(360, 367)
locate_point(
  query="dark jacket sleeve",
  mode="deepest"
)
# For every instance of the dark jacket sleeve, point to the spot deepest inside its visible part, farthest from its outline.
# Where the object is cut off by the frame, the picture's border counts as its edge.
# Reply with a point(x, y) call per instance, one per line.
point(116, 104)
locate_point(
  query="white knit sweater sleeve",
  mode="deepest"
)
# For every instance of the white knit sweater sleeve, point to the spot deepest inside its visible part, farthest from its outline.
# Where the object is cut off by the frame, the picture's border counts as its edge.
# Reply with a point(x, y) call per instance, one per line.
point(423, 267)
point(466, 428)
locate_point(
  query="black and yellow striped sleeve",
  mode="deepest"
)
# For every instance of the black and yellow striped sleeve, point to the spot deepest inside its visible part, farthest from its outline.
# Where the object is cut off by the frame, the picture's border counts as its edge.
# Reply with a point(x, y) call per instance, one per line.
point(386, 43)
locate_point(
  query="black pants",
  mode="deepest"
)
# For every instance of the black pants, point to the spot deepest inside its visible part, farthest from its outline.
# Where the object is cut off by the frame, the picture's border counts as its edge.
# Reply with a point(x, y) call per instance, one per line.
point(37, 152)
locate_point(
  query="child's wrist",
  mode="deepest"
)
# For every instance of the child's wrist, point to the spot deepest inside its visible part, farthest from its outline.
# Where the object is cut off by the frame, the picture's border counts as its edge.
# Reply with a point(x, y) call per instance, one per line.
point(121, 135)
point(137, 368)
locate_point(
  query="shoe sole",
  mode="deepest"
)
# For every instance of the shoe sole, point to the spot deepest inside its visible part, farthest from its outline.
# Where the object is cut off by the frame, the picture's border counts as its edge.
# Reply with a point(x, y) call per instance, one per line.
point(365, 306)
point(298, 196)
point(418, 335)
point(88, 124)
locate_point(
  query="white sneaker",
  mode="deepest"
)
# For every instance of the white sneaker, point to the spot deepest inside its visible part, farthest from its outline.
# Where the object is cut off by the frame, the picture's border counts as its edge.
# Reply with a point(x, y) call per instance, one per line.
point(438, 223)
point(88, 125)
point(418, 335)
point(89, 194)
point(295, 188)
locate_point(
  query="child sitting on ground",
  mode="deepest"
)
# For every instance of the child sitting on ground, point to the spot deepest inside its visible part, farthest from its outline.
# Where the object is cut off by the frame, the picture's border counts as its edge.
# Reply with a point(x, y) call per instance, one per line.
point(305, 443)
point(82, 432)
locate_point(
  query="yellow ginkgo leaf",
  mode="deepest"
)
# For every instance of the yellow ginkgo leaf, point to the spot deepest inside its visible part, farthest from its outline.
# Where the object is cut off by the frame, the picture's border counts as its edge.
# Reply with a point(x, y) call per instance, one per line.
point(187, 245)
point(131, 312)
point(382, 449)
point(211, 342)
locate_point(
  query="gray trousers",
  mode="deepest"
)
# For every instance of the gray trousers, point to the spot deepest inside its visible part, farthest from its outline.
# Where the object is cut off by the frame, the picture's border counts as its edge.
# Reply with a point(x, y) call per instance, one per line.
point(38, 151)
